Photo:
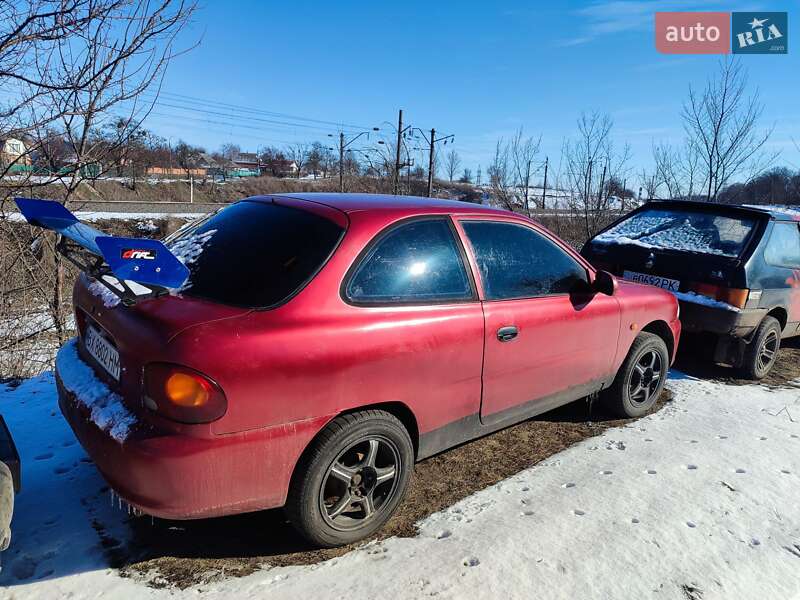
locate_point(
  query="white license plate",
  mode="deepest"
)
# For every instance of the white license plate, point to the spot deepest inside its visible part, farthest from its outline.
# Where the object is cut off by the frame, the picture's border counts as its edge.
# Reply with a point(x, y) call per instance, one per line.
point(671, 285)
point(102, 351)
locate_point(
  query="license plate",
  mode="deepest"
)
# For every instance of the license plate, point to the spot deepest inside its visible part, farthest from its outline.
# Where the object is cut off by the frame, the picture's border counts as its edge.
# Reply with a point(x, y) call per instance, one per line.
point(102, 351)
point(671, 285)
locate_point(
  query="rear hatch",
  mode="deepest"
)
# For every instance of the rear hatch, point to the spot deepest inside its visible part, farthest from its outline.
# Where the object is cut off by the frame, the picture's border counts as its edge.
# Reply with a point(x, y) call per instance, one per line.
point(682, 247)
point(253, 255)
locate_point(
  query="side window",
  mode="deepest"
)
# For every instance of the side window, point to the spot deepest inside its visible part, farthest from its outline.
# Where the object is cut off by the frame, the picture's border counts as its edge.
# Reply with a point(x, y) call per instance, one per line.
point(517, 262)
point(783, 248)
point(415, 262)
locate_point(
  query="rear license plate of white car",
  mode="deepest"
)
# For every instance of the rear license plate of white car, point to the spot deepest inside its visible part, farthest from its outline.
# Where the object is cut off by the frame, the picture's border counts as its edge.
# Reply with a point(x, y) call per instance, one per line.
point(102, 351)
point(671, 285)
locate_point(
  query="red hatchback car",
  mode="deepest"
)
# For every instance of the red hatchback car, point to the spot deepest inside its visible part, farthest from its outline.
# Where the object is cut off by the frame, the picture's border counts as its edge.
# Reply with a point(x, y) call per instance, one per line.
point(325, 342)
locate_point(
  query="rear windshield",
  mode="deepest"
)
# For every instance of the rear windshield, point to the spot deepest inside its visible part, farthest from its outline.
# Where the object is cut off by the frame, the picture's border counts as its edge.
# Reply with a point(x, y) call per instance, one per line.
point(684, 230)
point(254, 254)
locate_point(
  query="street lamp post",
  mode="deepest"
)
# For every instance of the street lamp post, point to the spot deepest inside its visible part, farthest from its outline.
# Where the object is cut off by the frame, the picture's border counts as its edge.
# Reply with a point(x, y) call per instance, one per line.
point(342, 147)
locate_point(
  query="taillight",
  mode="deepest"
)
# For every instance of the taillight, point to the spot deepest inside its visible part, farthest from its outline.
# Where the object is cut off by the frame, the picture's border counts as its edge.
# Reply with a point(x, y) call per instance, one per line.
point(733, 296)
point(183, 394)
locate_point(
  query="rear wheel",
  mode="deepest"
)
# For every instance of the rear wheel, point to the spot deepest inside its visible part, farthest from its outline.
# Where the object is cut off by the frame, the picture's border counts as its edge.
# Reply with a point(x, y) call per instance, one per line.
point(641, 377)
point(762, 351)
point(352, 479)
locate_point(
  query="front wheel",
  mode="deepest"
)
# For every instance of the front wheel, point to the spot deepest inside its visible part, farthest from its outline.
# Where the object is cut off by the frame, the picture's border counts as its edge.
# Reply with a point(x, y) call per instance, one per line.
point(762, 351)
point(352, 478)
point(640, 379)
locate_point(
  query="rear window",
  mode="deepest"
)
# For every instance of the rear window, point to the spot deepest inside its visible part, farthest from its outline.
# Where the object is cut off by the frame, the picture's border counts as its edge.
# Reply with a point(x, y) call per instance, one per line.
point(684, 230)
point(254, 254)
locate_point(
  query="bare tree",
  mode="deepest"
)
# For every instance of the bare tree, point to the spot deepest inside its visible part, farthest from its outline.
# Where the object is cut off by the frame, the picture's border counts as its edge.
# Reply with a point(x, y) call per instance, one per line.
point(721, 124)
point(466, 176)
point(677, 169)
point(452, 164)
point(187, 157)
point(73, 70)
point(500, 176)
point(590, 159)
point(298, 153)
point(230, 151)
point(650, 182)
point(523, 150)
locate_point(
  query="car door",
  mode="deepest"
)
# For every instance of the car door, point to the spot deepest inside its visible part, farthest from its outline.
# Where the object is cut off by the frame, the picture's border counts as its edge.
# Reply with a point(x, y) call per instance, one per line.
point(548, 338)
point(783, 254)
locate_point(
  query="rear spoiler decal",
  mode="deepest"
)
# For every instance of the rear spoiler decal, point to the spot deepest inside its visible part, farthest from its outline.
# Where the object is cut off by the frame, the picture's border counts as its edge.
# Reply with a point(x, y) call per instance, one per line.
point(144, 261)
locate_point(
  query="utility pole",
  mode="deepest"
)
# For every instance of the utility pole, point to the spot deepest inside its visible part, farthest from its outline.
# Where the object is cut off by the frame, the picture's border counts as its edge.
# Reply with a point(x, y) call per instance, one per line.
point(341, 162)
point(588, 184)
point(528, 188)
point(342, 147)
point(431, 163)
point(544, 185)
point(600, 191)
point(397, 159)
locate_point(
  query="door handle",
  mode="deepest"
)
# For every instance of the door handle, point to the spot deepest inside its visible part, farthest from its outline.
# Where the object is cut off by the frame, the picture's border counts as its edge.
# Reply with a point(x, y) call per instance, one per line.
point(508, 333)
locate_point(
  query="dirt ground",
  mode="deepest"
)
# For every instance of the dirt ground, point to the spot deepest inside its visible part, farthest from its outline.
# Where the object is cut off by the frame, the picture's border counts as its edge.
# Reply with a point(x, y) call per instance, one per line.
point(171, 553)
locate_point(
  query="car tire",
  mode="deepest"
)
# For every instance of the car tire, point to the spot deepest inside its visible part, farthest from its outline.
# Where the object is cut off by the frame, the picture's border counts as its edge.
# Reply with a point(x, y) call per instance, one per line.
point(351, 479)
point(640, 379)
point(762, 351)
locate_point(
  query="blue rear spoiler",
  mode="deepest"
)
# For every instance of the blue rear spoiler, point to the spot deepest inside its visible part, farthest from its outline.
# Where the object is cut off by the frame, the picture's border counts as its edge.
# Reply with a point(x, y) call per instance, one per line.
point(143, 261)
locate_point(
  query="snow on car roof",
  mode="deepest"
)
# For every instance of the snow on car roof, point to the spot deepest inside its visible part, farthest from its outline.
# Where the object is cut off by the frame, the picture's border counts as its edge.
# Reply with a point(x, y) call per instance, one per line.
point(778, 211)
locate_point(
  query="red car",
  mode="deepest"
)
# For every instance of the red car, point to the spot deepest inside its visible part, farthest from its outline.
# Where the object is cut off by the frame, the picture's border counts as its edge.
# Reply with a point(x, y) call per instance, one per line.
point(326, 342)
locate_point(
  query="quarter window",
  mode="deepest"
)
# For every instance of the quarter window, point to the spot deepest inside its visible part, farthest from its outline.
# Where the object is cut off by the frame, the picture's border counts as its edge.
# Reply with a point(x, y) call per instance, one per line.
point(417, 262)
point(783, 249)
point(517, 262)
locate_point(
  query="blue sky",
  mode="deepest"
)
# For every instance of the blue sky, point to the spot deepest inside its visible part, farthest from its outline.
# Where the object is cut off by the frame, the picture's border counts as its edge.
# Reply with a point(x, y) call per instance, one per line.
point(474, 69)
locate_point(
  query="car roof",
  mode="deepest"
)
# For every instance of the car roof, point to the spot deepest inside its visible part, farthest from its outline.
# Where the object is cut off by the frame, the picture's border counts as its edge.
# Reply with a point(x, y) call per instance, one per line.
point(350, 203)
point(778, 213)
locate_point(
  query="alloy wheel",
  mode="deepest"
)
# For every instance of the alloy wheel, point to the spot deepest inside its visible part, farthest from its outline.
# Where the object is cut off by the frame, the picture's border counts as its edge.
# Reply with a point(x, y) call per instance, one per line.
point(359, 483)
point(768, 351)
point(645, 377)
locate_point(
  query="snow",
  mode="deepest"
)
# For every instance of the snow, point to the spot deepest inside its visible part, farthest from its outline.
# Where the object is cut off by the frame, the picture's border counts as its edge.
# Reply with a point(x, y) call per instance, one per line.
point(109, 298)
point(188, 248)
point(792, 211)
point(91, 216)
point(107, 410)
point(663, 229)
point(704, 300)
point(701, 495)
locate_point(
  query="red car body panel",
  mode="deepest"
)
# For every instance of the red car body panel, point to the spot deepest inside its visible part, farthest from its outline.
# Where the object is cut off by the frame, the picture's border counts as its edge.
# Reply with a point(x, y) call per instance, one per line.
point(289, 370)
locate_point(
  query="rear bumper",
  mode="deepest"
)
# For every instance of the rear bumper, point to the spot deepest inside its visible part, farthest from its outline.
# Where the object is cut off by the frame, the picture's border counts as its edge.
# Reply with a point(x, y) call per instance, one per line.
point(698, 318)
point(176, 476)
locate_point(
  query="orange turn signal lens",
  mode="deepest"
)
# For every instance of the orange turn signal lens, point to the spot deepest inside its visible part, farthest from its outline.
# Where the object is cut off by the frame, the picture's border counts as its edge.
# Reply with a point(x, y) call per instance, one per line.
point(183, 394)
point(187, 390)
point(734, 297)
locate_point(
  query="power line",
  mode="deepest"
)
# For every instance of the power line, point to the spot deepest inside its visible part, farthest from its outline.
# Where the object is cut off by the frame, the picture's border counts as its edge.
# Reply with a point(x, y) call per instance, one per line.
point(193, 100)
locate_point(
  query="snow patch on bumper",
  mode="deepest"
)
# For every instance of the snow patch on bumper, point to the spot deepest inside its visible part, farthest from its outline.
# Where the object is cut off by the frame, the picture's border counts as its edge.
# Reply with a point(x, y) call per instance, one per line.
point(105, 407)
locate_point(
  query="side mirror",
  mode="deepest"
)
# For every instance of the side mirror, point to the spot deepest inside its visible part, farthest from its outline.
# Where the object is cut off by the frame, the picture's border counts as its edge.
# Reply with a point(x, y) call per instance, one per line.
point(605, 283)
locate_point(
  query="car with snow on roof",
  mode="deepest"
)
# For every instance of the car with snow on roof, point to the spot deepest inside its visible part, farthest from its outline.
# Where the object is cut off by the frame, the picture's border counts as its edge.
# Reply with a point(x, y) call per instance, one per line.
point(735, 270)
point(304, 350)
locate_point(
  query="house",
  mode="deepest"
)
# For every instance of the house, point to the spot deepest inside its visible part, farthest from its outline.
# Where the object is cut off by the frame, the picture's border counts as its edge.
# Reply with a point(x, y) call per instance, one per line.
point(244, 164)
point(278, 167)
point(13, 152)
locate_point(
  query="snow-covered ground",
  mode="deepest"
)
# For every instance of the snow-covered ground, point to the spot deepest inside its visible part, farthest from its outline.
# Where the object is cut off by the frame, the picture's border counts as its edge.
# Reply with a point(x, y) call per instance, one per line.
point(696, 501)
point(145, 218)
